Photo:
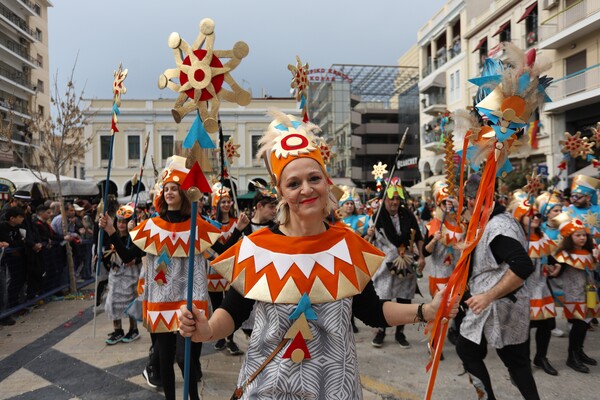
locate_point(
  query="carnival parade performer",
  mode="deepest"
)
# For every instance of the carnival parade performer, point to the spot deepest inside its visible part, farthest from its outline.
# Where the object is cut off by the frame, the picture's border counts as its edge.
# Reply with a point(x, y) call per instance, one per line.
point(306, 278)
point(165, 240)
point(550, 206)
point(347, 205)
point(231, 231)
point(584, 203)
point(124, 263)
point(580, 297)
point(541, 310)
point(397, 234)
point(443, 238)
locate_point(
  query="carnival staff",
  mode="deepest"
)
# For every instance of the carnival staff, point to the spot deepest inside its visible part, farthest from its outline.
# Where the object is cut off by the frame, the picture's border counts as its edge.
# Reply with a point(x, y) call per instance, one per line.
point(498, 312)
point(306, 278)
point(398, 235)
point(165, 239)
point(542, 310)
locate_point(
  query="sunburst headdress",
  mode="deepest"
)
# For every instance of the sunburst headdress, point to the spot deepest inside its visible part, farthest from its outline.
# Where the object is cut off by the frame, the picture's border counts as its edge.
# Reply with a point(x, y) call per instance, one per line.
point(286, 140)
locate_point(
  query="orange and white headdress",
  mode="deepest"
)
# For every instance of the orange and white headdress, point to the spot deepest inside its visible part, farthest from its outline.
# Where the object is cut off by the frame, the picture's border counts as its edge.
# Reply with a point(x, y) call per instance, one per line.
point(175, 171)
point(568, 224)
point(125, 212)
point(219, 192)
point(440, 191)
point(520, 207)
point(286, 140)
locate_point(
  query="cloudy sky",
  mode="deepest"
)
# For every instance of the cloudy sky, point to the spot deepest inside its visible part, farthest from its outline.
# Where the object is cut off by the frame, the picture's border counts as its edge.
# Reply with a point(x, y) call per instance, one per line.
point(135, 33)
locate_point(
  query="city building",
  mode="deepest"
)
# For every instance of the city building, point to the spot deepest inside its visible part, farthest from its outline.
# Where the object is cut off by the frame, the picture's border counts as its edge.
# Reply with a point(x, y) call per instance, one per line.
point(442, 85)
point(24, 76)
point(356, 107)
point(140, 118)
point(569, 30)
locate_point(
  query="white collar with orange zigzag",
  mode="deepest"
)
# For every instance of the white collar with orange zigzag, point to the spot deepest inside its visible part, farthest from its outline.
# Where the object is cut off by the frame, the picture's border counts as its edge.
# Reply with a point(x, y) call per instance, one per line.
point(580, 259)
point(274, 268)
point(541, 246)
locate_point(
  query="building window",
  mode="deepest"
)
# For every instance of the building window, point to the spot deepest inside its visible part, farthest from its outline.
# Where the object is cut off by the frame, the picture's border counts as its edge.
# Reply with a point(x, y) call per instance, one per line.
point(38, 34)
point(40, 86)
point(81, 173)
point(166, 146)
point(505, 34)
point(75, 171)
point(40, 61)
point(133, 147)
point(41, 111)
point(255, 147)
point(104, 147)
point(37, 9)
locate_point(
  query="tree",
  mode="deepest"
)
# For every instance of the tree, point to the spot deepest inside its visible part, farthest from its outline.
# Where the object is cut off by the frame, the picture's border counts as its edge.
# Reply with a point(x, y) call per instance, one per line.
point(61, 141)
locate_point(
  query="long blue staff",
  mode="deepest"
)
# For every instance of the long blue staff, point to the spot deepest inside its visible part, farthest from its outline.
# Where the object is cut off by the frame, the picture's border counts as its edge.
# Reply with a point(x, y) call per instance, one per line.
point(118, 89)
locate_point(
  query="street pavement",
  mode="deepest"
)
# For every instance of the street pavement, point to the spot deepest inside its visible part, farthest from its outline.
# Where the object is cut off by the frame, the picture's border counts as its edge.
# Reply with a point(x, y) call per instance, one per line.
point(52, 354)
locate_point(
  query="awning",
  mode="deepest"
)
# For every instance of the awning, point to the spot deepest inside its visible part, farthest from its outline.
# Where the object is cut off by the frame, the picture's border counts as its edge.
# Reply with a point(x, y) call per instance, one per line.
point(425, 185)
point(528, 11)
point(590, 170)
point(436, 79)
point(502, 27)
point(246, 196)
point(481, 42)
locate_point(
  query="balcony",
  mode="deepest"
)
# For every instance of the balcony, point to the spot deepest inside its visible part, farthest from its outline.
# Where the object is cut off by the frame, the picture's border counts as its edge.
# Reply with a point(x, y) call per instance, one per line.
point(432, 141)
point(29, 7)
point(11, 103)
point(16, 77)
point(572, 91)
point(18, 50)
point(435, 103)
point(377, 128)
point(17, 22)
point(570, 24)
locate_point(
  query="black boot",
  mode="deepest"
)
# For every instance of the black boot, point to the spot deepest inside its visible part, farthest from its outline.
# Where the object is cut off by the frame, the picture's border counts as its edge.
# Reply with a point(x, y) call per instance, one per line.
point(585, 358)
point(574, 362)
point(543, 363)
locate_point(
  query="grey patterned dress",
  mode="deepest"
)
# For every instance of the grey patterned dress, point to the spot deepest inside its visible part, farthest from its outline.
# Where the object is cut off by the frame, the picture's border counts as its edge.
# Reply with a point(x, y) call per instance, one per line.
point(331, 374)
point(504, 322)
point(122, 286)
point(387, 285)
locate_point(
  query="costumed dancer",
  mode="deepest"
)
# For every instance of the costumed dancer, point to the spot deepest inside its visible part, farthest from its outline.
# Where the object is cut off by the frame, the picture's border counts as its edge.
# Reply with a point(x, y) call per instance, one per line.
point(166, 242)
point(397, 234)
point(224, 214)
point(576, 259)
point(584, 203)
point(124, 265)
point(306, 278)
point(542, 311)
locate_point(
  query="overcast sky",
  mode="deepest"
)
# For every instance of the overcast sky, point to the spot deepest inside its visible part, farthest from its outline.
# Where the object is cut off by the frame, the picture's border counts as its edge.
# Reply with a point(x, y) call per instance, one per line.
point(135, 33)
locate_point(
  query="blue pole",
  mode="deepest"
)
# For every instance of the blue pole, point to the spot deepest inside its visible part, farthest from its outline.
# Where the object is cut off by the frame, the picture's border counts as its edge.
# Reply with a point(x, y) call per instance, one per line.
point(190, 292)
point(105, 199)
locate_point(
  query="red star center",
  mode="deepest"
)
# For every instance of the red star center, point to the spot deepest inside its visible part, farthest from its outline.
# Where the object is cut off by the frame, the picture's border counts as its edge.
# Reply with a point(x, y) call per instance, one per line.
point(294, 141)
point(199, 75)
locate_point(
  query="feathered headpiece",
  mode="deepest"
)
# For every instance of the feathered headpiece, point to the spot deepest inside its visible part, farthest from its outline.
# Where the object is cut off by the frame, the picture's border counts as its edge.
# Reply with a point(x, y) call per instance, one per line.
point(286, 140)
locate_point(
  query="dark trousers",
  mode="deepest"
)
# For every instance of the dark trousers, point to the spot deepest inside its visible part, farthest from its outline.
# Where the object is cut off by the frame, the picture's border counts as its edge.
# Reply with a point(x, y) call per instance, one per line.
point(17, 276)
point(515, 358)
point(171, 347)
point(35, 273)
point(577, 334)
point(543, 333)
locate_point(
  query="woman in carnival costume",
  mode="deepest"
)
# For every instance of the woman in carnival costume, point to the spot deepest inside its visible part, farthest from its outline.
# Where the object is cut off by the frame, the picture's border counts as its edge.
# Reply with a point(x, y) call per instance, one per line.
point(580, 298)
point(550, 205)
point(166, 242)
point(231, 231)
point(541, 310)
point(398, 235)
point(125, 263)
point(306, 279)
point(348, 210)
point(443, 238)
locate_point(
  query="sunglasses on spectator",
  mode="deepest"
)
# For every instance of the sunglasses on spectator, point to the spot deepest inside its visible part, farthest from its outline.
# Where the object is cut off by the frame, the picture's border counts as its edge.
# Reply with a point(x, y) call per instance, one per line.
point(576, 196)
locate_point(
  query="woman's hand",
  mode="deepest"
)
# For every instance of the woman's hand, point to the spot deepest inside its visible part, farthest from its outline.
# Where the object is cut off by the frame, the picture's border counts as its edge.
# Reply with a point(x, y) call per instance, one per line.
point(194, 324)
point(430, 309)
point(553, 270)
point(106, 222)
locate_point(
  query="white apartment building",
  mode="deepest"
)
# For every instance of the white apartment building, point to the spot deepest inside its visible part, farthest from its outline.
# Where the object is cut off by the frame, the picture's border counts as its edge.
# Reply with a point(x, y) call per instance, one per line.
point(443, 83)
point(141, 117)
point(24, 75)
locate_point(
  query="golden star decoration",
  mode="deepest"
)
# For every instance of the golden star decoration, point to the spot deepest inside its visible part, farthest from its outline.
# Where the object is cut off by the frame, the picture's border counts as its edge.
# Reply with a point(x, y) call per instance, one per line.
point(575, 145)
point(118, 87)
point(299, 78)
point(590, 219)
point(230, 148)
point(596, 135)
point(200, 74)
point(379, 170)
point(534, 184)
point(325, 149)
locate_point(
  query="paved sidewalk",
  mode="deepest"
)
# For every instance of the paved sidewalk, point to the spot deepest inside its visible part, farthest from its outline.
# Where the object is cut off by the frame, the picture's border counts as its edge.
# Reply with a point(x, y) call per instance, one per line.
point(52, 353)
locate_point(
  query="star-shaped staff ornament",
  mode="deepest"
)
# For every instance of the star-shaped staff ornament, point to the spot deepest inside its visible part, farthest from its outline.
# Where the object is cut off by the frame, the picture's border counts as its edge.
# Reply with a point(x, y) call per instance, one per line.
point(200, 75)
point(379, 170)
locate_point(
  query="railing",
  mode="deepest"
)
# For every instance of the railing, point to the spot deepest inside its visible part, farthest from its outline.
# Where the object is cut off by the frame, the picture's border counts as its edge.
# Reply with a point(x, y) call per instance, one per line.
point(15, 19)
point(16, 48)
point(15, 76)
point(426, 71)
point(567, 17)
point(436, 98)
point(580, 81)
point(10, 102)
point(431, 137)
